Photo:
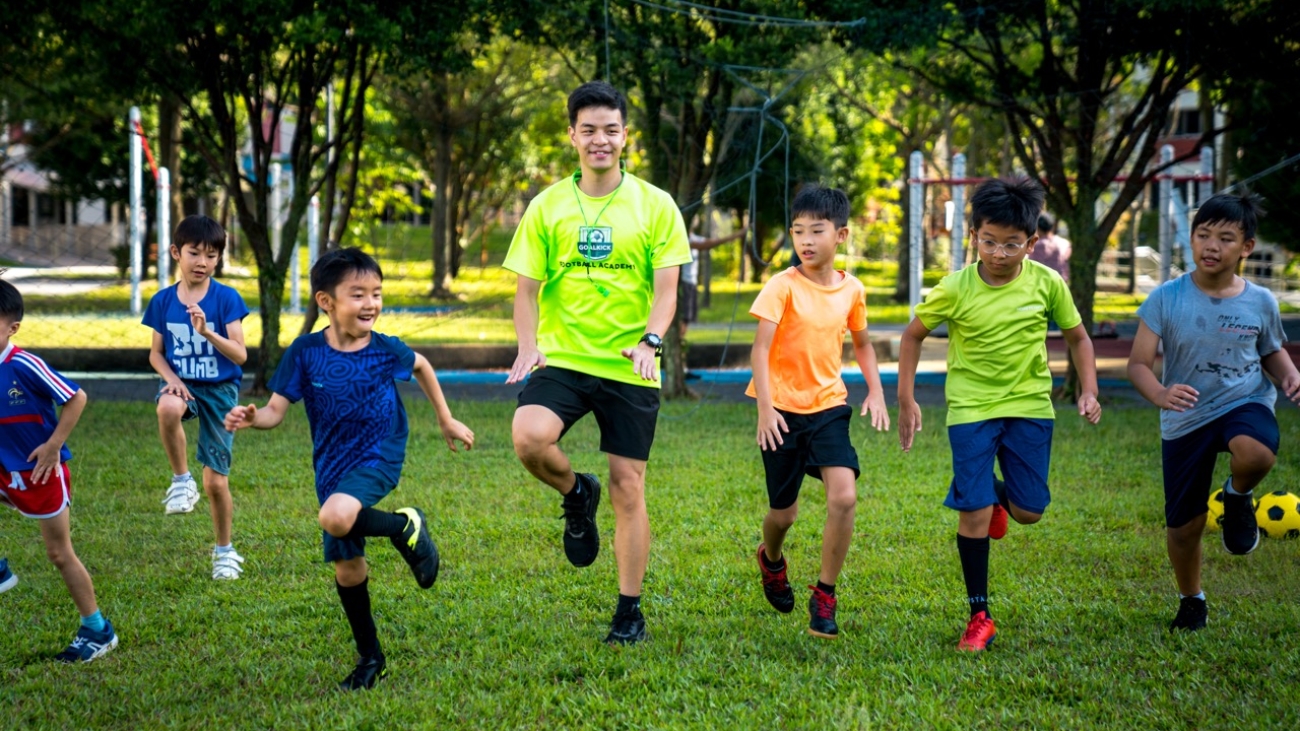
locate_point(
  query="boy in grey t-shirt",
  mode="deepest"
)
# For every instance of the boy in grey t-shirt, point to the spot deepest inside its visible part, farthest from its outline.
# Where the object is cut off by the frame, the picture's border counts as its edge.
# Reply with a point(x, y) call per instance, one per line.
point(1221, 335)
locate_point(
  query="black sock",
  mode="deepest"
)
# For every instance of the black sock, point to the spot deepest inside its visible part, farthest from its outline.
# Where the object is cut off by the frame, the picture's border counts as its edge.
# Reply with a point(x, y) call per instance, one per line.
point(974, 554)
point(628, 604)
point(1000, 490)
point(828, 588)
point(371, 522)
point(773, 565)
point(356, 604)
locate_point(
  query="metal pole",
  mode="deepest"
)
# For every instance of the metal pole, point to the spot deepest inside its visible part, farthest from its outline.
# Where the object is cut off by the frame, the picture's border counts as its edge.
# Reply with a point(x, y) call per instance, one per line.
point(274, 217)
point(164, 227)
point(959, 213)
point(1206, 187)
point(313, 232)
point(916, 190)
point(1166, 213)
point(295, 264)
point(136, 218)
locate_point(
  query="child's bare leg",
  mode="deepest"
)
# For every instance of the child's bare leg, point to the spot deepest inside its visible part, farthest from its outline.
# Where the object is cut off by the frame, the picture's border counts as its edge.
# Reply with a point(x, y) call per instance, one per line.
point(170, 410)
point(336, 518)
point(975, 523)
point(776, 524)
point(217, 487)
point(1251, 463)
point(351, 572)
point(57, 532)
point(841, 506)
point(1184, 546)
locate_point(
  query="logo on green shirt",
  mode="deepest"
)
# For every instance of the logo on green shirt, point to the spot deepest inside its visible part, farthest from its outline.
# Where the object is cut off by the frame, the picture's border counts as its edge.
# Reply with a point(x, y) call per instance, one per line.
point(595, 243)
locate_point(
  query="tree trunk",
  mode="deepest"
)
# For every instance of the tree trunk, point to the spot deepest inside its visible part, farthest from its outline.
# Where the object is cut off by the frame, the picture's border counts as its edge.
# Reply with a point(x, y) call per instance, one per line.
point(902, 282)
point(1088, 243)
point(169, 153)
point(441, 285)
point(270, 286)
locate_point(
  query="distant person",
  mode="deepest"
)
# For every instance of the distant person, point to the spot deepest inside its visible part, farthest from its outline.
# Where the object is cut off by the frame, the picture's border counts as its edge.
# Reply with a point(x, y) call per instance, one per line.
point(346, 376)
point(1222, 338)
point(688, 294)
point(803, 412)
point(1051, 250)
point(197, 350)
point(999, 387)
point(598, 256)
point(34, 454)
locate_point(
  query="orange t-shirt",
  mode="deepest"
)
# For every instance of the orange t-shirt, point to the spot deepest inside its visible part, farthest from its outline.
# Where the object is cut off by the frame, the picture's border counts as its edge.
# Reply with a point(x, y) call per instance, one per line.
point(807, 350)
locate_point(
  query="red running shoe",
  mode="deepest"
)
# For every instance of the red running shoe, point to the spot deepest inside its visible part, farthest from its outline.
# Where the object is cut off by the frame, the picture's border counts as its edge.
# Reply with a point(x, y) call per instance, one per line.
point(980, 633)
point(776, 587)
point(998, 523)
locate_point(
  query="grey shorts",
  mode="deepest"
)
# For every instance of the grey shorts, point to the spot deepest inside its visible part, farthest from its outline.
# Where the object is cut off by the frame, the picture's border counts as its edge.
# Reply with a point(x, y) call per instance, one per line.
point(211, 403)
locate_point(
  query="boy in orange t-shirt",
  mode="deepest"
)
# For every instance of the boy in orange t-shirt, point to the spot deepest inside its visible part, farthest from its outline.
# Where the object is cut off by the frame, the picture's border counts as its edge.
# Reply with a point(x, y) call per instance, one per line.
point(803, 411)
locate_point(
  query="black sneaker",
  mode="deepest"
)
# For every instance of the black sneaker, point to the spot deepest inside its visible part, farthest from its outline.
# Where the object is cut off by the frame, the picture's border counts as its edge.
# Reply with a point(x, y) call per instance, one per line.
point(367, 672)
point(821, 615)
point(581, 539)
point(626, 629)
point(417, 547)
point(1240, 531)
point(1192, 615)
point(776, 587)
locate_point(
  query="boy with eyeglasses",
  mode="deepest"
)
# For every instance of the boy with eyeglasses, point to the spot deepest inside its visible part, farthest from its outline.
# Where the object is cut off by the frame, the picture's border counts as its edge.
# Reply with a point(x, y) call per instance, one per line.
point(998, 386)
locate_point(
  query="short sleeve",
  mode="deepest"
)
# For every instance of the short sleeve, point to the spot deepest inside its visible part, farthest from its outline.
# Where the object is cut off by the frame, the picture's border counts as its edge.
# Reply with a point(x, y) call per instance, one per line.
point(404, 366)
point(527, 255)
point(1149, 311)
point(43, 381)
point(1063, 310)
point(937, 307)
point(772, 299)
point(858, 312)
point(288, 378)
point(155, 313)
point(233, 307)
point(670, 244)
point(1272, 335)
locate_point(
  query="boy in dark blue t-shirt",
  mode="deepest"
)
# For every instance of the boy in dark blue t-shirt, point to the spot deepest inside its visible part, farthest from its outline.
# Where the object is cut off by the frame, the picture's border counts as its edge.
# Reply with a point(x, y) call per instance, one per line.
point(346, 377)
point(197, 349)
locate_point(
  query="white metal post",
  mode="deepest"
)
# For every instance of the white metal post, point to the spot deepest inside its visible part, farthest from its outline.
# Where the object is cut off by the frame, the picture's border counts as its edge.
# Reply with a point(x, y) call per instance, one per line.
point(274, 217)
point(164, 227)
point(916, 189)
point(1166, 212)
point(295, 260)
point(1205, 188)
point(313, 232)
point(959, 213)
point(136, 218)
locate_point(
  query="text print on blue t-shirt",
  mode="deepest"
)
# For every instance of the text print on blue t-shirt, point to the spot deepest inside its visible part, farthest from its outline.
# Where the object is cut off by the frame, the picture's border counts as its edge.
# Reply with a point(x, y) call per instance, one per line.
point(192, 355)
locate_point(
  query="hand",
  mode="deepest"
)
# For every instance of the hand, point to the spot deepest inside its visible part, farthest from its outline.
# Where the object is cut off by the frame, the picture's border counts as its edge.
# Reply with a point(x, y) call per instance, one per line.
point(1291, 387)
point(46, 458)
point(240, 417)
point(770, 426)
point(177, 388)
point(909, 423)
point(197, 319)
point(643, 361)
point(1178, 397)
point(875, 404)
point(1089, 408)
point(453, 430)
point(524, 364)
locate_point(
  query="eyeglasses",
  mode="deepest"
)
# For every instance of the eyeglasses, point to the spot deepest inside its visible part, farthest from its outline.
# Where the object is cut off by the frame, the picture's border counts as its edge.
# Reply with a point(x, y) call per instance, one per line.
point(992, 247)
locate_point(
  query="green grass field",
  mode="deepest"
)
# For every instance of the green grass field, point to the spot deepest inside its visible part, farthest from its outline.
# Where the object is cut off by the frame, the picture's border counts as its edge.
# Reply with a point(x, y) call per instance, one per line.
point(509, 636)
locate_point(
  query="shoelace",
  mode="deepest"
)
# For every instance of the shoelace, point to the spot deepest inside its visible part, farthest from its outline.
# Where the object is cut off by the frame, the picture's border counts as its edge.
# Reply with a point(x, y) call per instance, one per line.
point(824, 602)
point(178, 489)
point(575, 517)
point(976, 628)
point(775, 579)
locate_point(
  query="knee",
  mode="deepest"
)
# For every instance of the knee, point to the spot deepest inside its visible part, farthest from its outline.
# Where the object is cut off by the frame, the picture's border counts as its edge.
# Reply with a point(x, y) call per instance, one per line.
point(60, 555)
point(626, 494)
point(1024, 517)
point(529, 444)
point(784, 518)
point(350, 572)
point(170, 410)
point(841, 501)
point(215, 483)
point(334, 521)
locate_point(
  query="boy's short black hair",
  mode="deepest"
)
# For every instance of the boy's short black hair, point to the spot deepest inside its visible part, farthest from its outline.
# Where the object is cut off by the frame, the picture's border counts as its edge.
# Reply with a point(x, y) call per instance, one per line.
point(1015, 203)
point(814, 201)
point(1243, 210)
point(1046, 223)
point(596, 94)
point(337, 265)
point(202, 231)
point(11, 302)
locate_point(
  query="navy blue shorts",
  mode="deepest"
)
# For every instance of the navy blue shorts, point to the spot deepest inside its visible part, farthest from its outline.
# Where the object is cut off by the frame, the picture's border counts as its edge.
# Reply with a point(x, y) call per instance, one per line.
point(1023, 448)
point(626, 414)
point(368, 485)
point(1189, 460)
point(815, 441)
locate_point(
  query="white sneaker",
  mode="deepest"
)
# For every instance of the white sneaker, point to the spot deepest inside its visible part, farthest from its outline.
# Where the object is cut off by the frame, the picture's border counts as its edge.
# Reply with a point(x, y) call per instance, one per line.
point(181, 497)
point(227, 565)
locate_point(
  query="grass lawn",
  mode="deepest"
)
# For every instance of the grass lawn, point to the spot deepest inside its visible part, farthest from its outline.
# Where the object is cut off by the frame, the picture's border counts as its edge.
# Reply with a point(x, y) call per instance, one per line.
point(509, 636)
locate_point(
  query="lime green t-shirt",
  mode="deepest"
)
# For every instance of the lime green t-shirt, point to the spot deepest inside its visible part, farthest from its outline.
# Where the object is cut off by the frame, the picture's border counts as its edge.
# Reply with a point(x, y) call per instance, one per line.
point(997, 341)
point(596, 259)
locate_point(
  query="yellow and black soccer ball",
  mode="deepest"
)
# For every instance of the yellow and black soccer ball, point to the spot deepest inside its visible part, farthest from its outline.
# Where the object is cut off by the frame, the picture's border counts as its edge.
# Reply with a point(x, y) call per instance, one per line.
point(1278, 514)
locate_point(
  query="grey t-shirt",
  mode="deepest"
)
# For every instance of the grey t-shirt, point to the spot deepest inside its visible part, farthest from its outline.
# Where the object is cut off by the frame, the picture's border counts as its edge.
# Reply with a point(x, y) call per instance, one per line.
point(1215, 346)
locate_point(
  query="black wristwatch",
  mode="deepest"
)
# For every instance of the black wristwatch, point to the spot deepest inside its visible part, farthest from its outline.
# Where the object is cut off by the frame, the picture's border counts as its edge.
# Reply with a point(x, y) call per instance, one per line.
point(653, 341)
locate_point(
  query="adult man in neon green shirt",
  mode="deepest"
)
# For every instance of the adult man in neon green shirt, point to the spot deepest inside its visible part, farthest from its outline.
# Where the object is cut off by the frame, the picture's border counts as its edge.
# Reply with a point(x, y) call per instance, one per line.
point(598, 257)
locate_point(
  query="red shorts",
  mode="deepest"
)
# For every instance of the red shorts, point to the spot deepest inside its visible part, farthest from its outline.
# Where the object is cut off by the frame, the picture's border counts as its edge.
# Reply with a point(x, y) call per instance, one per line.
point(45, 500)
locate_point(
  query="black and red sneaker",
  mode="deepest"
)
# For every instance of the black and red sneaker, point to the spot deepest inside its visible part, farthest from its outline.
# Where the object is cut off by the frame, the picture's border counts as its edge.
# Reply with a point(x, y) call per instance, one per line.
point(821, 614)
point(776, 587)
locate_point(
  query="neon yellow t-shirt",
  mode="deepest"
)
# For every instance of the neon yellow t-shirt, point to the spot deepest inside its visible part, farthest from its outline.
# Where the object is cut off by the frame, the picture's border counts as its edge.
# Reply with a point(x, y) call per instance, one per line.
point(596, 258)
point(997, 341)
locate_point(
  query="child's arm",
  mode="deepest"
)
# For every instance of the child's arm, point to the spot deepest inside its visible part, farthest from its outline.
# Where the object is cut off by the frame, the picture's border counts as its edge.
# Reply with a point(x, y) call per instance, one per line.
point(909, 355)
point(1141, 364)
point(875, 401)
point(231, 346)
point(175, 386)
point(267, 417)
point(1280, 366)
point(526, 319)
point(451, 429)
point(1085, 364)
point(46, 456)
point(770, 421)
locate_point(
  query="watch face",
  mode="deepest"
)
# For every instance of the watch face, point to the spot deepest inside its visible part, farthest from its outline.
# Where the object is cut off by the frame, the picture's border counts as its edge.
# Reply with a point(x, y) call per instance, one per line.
point(654, 340)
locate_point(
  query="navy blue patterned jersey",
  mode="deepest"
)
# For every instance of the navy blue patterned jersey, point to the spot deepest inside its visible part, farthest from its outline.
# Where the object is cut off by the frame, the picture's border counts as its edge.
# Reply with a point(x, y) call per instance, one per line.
point(356, 415)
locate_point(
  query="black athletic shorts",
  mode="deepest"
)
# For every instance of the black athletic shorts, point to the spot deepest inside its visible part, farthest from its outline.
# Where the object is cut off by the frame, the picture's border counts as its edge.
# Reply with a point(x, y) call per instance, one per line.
point(1189, 459)
point(626, 414)
point(814, 441)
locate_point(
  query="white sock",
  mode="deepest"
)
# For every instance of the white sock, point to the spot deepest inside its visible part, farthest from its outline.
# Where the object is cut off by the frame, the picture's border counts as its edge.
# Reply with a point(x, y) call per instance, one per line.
point(1200, 596)
point(226, 548)
point(181, 478)
point(1228, 488)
